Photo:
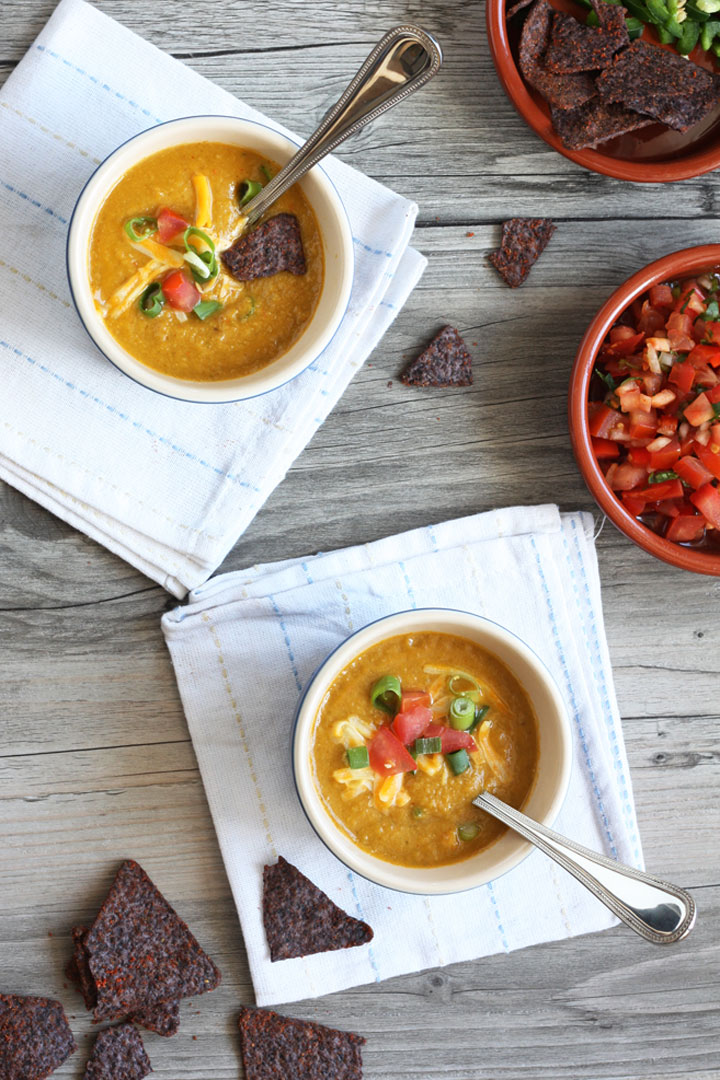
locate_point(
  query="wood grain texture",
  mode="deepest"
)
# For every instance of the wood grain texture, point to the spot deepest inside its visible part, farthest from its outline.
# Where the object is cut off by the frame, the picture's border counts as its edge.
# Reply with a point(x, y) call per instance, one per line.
point(95, 760)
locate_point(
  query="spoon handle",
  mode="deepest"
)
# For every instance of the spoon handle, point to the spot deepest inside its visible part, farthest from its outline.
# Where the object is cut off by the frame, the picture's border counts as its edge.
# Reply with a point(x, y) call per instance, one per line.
point(659, 912)
point(401, 62)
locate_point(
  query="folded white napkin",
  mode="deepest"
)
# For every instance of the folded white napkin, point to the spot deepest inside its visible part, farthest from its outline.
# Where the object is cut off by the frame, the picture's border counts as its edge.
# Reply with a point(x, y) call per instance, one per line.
point(166, 485)
point(248, 642)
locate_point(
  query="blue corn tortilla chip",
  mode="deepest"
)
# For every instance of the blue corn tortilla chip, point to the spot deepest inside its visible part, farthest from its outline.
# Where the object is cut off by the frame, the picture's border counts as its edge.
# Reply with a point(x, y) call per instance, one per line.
point(35, 1037)
point(576, 47)
point(300, 919)
point(140, 952)
point(268, 249)
point(523, 242)
point(444, 362)
point(118, 1054)
point(562, 91)
point(660, 84)
point(595, 123)
point(277, 1047)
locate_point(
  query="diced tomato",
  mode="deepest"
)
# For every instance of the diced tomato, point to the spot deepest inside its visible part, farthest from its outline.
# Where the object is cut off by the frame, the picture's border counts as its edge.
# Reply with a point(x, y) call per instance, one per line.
point(638, 455)
point(668, 507)
point(699, 411)
point(705, 354)
point(643, 424)
point(713, 395)
point(411, 698)
point(651, 383)
point(180, 291)
point(623, 344)
point(712, 332)
point(626, 477)
point(410, 723)
point(679, 341)
point(715, 435)
point(667, 425)
point(633, 503)
point(170, 224)
point(605, 448)
point(604, 420)
point(709, 456)
point(691, 299)
point(388, 755)
point(651, 320)
point(682, 375)
point(705, 376)
point(681, 323)
point(666, 489)
point(661, 297)
point(452, 740)
point(692, 471)
point(666, 457)
point(707, 500)
point(684, 528)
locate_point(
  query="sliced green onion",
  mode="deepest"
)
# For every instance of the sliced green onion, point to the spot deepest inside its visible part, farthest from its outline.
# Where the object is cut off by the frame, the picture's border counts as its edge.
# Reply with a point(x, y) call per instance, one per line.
point(152, 300)
point(147, 225)
point(205, 308)
point(247, 190)
point(462, 713)
point(265, 170)
point(428, 746)
point(462, 675)
point(358, 757)
point(458, 761)
point(386, 694)
point(468, 832)
point(661, 475)
point(481, 712)
point(250, 312)
point(417, 811)
point(203, 264)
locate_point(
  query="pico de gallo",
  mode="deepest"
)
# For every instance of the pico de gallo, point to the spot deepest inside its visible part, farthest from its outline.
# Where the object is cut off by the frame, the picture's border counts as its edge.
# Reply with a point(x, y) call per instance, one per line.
point(654, 410)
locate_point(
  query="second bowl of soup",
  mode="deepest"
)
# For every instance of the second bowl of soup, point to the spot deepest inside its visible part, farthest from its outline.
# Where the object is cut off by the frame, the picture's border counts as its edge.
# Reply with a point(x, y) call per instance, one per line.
point(405, 724)
point(171, 287)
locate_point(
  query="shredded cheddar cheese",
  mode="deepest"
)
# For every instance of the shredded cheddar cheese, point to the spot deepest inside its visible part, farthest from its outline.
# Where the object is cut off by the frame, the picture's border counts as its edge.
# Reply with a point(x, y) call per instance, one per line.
point(352, 732)
point(389, 792)
point(131, 289)
point(203, 201)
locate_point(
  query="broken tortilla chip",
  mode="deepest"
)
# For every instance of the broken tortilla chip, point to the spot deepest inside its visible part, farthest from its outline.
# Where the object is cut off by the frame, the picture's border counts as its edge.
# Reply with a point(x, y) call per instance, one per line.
point(444, 362)
point(563, 91)
point(523, 242)
point(118, 1054)
point(35, 1037)
point(268, 249)
point(594, 123)
point(300, 919)
point(275, 1046)
point(576, 47)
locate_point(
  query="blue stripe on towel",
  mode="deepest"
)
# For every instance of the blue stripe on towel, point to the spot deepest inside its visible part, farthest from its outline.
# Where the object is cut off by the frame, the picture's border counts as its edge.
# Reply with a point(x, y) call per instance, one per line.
point(138, 424)
point(97, 82)
point(33, 202)
point(573, 699)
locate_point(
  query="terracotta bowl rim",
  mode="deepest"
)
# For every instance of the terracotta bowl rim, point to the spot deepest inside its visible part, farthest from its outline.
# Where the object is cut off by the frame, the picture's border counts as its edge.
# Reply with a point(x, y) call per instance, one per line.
point(677, 263)
point(648, 172)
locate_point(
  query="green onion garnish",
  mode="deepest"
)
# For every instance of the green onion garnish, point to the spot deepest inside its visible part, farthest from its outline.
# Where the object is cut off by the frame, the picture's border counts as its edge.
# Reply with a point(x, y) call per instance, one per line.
point(713, 308)
point(247, 190)
point(481, 712)
point(462, 713)
point(152, 300)
point(417, 811)
point(250, 312)
point(661, 475)
point(205, 308)
point(468, 832)
point(265, 170)
point(358, 757)
point(607, 379)
point(203, 264)
point(147, 226)
point(428, 746)
point(386, 694)
point(458, 761)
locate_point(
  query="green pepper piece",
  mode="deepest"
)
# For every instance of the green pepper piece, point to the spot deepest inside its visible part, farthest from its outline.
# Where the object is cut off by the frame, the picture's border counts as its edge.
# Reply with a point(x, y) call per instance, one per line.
point(634, 27)
point(708, 32)
point(659, 14)
point(689, 39)
point(458, 761)
point(664, 36)
point(358, 757)
point(386, 694)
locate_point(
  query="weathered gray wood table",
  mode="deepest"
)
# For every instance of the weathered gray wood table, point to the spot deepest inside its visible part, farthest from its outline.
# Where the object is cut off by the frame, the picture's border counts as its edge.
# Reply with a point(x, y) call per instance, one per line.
point(95, 759)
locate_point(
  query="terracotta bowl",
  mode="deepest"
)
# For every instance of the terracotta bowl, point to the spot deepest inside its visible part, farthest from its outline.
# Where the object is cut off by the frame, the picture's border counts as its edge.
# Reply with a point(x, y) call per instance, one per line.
point(651, 155)
point(680, 264)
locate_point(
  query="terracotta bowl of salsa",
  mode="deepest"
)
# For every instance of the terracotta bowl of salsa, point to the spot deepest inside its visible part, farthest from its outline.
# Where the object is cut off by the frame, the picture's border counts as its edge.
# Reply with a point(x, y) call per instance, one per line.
point(404, 724)
point(653, 154)
point(644, 408)
point(148, 261)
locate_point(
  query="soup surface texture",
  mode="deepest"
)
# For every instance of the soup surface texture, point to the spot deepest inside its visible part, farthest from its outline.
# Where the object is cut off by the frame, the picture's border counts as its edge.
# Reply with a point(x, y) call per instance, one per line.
point(409, 734)
point(250, 323)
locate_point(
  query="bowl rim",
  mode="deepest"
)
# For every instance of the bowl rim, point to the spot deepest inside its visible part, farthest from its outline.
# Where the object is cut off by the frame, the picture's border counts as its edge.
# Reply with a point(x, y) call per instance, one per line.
point(677, 263)
point(423, 885)
point(187, 390)
point(650, 172)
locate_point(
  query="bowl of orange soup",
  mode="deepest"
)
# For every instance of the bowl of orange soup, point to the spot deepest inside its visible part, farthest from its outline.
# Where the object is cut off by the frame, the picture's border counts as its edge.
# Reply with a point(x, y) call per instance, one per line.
point(172, 288)
point(408, 721)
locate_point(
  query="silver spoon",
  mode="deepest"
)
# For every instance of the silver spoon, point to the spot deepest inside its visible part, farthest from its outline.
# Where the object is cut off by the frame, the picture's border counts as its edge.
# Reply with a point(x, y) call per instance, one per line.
point(401, 62)
point(654, 909)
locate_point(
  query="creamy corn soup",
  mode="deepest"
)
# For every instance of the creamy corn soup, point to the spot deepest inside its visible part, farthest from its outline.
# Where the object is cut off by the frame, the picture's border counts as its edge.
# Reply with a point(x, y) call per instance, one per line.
point(157, 273)
point(409, 734)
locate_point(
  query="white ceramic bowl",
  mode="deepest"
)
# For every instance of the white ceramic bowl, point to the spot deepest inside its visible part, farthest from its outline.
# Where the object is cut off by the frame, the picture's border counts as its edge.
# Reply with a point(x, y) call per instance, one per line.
point(334, 229)
point(546, 796)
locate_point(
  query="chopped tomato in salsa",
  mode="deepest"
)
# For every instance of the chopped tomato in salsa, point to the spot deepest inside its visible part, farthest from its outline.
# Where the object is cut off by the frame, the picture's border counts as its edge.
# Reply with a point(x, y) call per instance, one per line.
point(654, 410)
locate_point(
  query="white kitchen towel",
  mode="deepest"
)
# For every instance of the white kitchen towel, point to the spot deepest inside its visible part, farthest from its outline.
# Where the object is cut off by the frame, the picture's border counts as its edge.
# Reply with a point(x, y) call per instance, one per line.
point(248, 642)
point(169, 486)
